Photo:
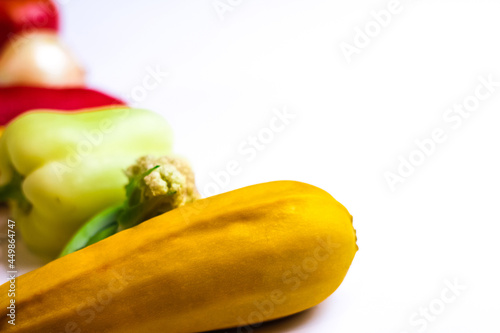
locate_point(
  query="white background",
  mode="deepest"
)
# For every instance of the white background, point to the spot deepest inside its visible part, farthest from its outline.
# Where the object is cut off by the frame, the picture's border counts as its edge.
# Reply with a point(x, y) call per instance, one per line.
point(353, 121)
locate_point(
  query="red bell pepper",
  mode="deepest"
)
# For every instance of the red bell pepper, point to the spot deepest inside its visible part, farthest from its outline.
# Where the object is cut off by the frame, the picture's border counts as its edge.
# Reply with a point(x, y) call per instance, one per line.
point(19, 99)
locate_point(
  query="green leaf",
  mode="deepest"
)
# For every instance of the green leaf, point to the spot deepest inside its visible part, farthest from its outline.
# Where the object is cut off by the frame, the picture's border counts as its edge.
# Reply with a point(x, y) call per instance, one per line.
point(114, 219)
point(134, 183)
point(99, 227)
point(105, 233)
point(136, 209)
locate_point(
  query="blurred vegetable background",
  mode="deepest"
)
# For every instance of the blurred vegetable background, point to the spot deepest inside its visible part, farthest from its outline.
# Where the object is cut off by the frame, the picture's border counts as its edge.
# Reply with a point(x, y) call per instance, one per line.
point(31, 53)
point(37, 71)
point(16, 100)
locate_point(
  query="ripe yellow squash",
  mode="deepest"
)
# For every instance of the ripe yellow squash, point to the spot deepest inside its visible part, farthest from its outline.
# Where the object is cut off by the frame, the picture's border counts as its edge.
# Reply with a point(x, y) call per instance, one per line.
point(235, 259)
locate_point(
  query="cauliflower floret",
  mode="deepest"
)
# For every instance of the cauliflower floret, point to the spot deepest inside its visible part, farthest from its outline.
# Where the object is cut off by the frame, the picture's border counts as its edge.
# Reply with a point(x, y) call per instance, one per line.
point(156, 186)
point(172, 178)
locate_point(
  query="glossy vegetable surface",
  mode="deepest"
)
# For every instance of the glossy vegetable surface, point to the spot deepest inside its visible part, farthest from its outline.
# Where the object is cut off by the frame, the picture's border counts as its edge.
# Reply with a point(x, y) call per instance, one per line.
point(238, 258)
point(59, 169)
point(39, 59)
point(16, 100)
point(24, 16)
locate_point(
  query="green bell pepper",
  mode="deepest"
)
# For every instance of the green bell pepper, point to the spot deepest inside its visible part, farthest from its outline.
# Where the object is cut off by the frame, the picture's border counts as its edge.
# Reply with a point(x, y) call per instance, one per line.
point(57, 170)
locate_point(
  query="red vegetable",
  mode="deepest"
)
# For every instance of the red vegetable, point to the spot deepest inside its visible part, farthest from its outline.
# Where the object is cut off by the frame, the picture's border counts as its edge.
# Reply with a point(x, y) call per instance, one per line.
point(16, 100)
point(18, 16)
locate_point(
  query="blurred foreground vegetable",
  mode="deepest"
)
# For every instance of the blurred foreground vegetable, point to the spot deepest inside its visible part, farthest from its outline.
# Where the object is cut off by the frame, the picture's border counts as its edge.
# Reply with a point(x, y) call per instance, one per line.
point(57, 170)
point(238, 258)
point(16, 100)
point(24, 16)
point(156, 185)
point(39, 59)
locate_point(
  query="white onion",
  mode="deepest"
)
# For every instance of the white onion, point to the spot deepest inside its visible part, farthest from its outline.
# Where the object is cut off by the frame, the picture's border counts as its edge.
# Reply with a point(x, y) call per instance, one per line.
point(39, 59)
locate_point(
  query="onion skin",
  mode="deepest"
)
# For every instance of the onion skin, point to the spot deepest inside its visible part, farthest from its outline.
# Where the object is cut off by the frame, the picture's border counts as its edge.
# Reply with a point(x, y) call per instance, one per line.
point(39, 59)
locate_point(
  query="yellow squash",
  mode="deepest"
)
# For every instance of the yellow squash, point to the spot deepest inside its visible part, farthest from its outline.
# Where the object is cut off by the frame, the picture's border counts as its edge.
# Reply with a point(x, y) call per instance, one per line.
point(235, 259)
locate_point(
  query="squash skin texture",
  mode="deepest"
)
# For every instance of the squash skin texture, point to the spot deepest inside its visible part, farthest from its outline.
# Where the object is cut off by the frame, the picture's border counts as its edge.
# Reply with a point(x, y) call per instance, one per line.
point(200, 267)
